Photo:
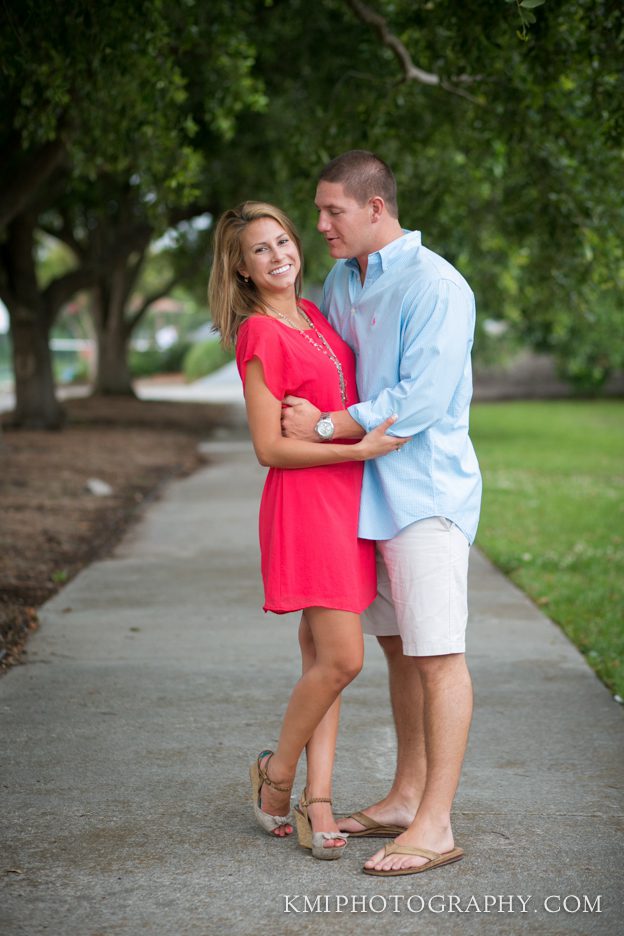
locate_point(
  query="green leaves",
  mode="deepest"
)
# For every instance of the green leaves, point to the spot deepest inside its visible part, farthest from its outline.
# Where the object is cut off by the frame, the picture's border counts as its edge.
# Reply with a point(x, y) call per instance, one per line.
point(527, 17)
point(223, 101)
point(129, 87)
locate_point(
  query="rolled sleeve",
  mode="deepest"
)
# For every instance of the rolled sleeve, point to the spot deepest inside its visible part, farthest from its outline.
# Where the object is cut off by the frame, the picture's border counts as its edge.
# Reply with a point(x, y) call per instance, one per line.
point(435, 343)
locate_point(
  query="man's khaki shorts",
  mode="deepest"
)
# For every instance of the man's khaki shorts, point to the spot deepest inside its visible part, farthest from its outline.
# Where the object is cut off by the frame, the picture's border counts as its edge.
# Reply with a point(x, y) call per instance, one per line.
point(422, 589)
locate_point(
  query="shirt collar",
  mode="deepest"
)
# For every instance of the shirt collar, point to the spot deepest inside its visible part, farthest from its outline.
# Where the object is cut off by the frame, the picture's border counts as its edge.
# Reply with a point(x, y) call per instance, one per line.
point(388, 255)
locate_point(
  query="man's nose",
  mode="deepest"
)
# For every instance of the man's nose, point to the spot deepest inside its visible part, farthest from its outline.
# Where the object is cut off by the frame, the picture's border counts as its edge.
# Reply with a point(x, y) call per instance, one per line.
point(322, 224)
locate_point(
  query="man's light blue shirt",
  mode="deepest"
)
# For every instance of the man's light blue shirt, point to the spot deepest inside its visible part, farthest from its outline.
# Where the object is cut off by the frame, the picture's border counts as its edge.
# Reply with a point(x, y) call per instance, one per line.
point(411, 325)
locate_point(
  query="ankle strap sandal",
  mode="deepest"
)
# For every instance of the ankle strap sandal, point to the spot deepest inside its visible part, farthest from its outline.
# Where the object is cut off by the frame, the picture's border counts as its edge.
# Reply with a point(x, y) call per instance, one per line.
point(259, 777)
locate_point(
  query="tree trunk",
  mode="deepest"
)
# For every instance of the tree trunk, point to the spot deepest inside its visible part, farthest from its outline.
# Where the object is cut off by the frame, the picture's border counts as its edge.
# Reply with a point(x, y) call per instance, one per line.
point(112, 376)
point(36, 406)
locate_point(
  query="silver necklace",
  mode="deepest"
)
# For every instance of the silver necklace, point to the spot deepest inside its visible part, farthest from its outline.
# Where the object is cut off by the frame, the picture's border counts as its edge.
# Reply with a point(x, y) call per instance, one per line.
point(324, 347)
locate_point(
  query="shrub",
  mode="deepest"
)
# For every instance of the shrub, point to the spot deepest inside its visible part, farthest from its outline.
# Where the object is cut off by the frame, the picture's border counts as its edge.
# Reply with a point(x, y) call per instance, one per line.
point(204, 358)
point(154, 361)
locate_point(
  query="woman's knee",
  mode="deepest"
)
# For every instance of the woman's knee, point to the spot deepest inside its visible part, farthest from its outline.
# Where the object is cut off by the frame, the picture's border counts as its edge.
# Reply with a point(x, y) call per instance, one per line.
point(344, 669)
point(306, 640)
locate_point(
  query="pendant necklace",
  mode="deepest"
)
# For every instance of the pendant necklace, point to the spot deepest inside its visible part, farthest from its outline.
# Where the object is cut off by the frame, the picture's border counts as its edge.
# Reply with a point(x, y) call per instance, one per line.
point(324, 347)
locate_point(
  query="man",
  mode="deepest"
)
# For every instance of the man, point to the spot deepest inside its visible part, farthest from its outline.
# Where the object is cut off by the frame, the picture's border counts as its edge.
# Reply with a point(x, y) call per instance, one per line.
point(409, 316)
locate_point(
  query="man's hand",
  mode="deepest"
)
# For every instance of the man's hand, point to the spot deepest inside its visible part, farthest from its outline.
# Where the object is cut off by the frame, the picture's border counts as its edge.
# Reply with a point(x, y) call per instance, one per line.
point(299, 417)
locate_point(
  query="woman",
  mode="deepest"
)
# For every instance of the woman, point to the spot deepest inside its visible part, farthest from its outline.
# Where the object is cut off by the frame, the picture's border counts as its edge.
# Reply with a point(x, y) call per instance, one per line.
point(312, 558)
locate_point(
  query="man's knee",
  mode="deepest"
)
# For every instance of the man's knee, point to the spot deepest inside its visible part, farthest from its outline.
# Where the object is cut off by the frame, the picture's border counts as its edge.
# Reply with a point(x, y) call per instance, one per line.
point(440, 667)
point(392, 647)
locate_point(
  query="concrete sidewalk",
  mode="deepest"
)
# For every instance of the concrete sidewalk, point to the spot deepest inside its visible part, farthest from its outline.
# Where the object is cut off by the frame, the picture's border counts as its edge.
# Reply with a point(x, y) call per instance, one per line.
point(155, 678)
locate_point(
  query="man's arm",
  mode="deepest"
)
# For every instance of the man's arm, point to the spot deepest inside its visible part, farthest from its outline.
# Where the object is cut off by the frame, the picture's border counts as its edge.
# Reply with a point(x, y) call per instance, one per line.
point(436, 347)
point(300, 417)
point(437, 339)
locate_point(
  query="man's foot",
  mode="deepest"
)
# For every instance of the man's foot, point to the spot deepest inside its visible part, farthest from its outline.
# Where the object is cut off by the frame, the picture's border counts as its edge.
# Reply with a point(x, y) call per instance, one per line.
point(391, 811)
point(322, 819)
point(434, 837)
point(273, 801)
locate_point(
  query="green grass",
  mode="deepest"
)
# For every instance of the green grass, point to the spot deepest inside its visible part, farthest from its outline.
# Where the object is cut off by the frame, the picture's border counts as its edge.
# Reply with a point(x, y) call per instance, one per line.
point(553, 515)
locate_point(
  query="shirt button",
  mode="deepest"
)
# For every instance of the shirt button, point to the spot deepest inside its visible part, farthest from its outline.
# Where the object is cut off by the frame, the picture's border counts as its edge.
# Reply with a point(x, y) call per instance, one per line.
point(353, 310)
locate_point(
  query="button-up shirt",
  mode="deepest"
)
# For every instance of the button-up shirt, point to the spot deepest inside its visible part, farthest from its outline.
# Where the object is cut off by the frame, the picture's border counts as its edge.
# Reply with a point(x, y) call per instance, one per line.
point(411, 325)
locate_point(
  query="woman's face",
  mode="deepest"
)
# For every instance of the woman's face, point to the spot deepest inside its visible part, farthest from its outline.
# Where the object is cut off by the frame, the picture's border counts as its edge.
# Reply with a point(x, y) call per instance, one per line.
point(270, 257)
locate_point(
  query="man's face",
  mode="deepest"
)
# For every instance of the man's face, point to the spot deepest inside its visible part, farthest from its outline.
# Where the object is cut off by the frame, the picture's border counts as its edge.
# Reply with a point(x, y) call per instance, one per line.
point(343, 222)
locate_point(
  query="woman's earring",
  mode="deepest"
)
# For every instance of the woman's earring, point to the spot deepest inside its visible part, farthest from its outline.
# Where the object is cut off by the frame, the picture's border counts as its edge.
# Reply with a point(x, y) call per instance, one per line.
point(246, 278)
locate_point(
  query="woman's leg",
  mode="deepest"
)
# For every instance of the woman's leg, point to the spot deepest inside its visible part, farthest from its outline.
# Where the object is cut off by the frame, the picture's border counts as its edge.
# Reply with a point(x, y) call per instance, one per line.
point(320, 750)
point(332, 651)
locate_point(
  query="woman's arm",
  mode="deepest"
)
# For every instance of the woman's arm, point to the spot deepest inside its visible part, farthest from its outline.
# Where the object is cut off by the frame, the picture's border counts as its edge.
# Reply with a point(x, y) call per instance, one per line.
point(274, 451)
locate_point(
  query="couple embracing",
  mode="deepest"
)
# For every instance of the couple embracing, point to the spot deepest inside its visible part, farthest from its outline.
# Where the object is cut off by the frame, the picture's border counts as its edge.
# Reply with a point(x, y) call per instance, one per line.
point(372, 498)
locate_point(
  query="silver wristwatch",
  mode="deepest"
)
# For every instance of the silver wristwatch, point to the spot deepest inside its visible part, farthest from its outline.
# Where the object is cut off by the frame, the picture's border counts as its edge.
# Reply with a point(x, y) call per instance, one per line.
point(325, 427)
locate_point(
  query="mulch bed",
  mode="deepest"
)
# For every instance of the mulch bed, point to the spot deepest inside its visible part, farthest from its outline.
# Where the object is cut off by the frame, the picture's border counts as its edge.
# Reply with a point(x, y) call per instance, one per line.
point(51, 526)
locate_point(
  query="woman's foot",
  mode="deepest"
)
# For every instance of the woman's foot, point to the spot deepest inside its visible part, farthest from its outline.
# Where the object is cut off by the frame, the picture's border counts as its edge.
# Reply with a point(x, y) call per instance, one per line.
point(271, 796)
point(322, 820)
point(316, 827)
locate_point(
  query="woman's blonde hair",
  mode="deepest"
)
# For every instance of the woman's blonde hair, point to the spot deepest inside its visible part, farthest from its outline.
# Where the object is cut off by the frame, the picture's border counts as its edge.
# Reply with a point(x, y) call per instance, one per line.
point(231, 298)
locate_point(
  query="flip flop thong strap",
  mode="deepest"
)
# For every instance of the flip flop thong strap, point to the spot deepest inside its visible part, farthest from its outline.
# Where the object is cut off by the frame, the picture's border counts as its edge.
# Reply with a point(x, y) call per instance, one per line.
point(364, 820)
point(394, 849)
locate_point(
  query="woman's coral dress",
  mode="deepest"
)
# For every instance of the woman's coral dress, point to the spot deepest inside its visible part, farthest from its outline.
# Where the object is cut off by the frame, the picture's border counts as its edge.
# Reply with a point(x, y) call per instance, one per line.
point(311, 554)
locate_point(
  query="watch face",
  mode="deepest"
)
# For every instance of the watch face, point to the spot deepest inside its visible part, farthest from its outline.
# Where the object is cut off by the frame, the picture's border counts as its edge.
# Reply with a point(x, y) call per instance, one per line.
point(325, 428)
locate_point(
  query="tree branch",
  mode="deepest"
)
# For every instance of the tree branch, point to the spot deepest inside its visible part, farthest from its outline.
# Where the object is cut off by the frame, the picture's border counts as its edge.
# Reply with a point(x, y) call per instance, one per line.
point(378, 23)
point(136, 317)
point(64, 287)
point(20, 188)
point(132, 272)
point(66, 236)
point(411, 72)
point(61, 289)
point(159, 293)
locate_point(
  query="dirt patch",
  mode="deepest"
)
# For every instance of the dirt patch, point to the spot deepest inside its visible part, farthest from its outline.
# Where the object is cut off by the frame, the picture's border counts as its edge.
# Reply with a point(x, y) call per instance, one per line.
point(52, 526)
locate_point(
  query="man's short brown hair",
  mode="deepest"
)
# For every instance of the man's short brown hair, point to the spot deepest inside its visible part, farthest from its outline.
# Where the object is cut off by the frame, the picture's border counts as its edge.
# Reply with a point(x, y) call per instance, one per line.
point(363, 175)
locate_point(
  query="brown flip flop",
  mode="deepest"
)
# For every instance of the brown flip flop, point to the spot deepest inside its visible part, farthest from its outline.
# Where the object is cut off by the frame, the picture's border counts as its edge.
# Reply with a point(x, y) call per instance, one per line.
point(372, 828)
point(436, 860)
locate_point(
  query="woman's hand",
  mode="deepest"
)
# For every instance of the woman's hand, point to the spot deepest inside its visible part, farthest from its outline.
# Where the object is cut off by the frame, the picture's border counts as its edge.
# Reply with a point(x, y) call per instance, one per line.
point(377, 442)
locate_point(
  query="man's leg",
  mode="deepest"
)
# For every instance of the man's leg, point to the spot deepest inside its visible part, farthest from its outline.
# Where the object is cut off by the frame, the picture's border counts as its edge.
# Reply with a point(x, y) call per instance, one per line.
point(406, 698)
point(447, 693)
point(399, 806)
point(427, 566)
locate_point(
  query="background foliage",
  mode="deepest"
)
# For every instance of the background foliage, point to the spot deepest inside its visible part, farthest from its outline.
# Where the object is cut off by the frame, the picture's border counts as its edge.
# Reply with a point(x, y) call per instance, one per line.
point(509, 158)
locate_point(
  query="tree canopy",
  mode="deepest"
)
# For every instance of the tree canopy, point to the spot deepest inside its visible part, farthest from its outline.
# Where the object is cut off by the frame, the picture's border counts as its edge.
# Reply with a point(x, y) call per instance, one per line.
point(502, 119)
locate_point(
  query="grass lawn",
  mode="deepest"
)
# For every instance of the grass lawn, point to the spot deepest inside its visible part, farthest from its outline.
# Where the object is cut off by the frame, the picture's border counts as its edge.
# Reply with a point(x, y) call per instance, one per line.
point(553, 515)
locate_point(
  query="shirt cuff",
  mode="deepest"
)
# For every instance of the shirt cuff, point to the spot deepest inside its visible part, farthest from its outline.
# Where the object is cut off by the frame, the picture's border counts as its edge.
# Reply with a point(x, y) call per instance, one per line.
point(364, 415)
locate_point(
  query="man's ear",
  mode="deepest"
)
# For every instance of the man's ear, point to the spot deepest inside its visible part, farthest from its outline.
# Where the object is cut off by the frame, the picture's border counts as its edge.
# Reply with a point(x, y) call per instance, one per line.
point(376, 207)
